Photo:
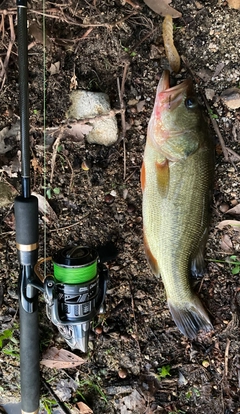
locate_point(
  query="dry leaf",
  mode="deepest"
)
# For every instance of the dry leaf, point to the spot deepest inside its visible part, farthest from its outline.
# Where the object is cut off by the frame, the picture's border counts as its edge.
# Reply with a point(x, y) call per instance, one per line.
point(83, 408)
point(226, 243)
point(37, 32)
point(235, 224)
point(78, 131)
point(54, 68)
point(234, 4)
point(133, 403)
point(35, 165)
point(162, 7)
point(60, 358)
point(7, 194)
point(235, 210)
point(140, 106)
point(44, 206)
point(73, 82)
point(171, 51)
point(9, 137)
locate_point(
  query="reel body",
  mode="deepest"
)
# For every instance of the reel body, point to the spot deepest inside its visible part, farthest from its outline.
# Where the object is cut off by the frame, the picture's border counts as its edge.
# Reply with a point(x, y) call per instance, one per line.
point(76, 292)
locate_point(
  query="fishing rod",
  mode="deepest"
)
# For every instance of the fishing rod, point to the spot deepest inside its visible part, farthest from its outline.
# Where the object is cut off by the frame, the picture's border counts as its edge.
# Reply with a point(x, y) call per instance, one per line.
point(75, 293)
point(26, 217)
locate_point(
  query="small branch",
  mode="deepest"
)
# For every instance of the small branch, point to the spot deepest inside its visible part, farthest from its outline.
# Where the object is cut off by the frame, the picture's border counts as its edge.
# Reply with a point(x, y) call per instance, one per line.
point(54, 155)
point(61, 405)
point(214, 122)
point(71, 21)
point(111, 113)
point(122, 106)
point(226, 357)
point(70, 225)
point(7, 57)
point(216, 129)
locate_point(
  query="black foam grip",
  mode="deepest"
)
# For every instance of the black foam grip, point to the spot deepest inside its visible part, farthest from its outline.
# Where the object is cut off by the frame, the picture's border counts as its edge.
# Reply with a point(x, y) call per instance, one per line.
point(29, 361)
point(26, 216)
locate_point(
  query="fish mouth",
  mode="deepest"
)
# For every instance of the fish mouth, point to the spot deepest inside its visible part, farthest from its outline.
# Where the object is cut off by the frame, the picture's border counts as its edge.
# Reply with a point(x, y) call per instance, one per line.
point(171, 97)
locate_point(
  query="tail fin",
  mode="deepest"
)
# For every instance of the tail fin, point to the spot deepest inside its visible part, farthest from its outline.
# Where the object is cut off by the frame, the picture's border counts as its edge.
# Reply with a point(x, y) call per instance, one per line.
point(191, 318)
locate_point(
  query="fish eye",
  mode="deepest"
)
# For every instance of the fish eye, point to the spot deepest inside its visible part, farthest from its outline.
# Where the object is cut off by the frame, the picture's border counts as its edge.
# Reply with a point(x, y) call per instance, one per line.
point(191, 103)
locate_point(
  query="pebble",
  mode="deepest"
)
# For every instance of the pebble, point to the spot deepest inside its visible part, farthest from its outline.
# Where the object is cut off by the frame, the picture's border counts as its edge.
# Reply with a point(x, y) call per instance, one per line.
point(131, 208)
point(231, 97)
point(224, 207)
point(109, 199)
point(122, 373)
point(98, 330)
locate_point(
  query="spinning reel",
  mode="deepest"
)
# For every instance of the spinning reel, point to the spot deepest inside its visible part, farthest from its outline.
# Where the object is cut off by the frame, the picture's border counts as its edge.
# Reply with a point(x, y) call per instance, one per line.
point(75, 293)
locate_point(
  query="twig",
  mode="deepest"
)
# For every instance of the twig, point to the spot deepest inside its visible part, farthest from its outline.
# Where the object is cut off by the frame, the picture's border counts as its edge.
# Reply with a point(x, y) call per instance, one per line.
point(63, 407)
point(55, 149)
point(3, 73)
point(111, 113)
point(214, 122)
point(235, 155)
point(135, 323)
point(122, 106)
point(226, 357)
point(70, 225)
point(216, 128)
point(69, 20)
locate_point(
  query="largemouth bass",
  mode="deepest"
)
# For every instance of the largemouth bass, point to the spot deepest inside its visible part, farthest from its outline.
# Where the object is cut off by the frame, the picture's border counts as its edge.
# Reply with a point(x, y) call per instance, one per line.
point(176, 178)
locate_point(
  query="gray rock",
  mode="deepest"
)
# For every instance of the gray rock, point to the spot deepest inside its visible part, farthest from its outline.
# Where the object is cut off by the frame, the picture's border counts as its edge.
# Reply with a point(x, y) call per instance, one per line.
point(90, 104)
point(231, 97)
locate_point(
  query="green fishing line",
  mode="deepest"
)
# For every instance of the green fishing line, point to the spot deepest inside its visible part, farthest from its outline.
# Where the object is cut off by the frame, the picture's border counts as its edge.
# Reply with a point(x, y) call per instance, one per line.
point(74, 275)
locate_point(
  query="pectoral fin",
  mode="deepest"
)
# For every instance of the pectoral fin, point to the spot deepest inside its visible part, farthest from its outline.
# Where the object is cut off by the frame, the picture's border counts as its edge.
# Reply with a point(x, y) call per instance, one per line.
point(163, 175)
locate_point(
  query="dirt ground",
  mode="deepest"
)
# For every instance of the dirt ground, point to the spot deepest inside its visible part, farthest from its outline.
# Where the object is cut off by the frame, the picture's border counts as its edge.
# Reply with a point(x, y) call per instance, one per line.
point(138, 361)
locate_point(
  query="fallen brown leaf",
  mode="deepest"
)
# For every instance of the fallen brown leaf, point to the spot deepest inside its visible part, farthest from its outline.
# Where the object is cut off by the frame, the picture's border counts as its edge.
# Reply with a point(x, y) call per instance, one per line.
point(162, 7)
point(235, 210)
point(60, 358)
point(235, 224)
point(44, 206)
point(234, 4)
point(83, 408)
point(170, 49)
point(226, 243)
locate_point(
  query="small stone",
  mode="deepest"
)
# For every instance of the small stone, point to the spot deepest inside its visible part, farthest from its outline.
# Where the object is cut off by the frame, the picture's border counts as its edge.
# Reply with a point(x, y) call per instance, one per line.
point(113, 193)
point(205, 364)
point(231, 97)
point(122, 373)
point(98, 330)
point(131, 208)
point(125, 193)
point(109, 199)
point(224, 207)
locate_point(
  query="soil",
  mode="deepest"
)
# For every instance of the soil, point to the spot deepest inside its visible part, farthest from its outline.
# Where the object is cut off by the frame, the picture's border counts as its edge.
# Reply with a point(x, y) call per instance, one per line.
point(138, 361)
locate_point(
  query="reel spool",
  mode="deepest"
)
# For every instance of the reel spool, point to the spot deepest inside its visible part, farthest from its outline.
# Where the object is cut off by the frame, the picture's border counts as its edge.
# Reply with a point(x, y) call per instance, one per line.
point(75, 294)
